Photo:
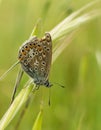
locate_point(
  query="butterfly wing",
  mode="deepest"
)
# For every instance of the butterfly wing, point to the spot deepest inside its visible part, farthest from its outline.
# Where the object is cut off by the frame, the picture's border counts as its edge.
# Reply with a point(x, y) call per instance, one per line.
point(35, 57)
point(46, 56)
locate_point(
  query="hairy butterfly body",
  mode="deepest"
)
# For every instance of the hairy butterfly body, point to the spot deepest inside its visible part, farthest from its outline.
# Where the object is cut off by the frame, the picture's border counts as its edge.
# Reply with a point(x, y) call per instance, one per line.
point(35, 57)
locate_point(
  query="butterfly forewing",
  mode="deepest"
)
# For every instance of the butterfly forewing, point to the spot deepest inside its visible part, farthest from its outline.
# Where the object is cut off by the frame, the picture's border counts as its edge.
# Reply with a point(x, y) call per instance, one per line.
point(35, 57)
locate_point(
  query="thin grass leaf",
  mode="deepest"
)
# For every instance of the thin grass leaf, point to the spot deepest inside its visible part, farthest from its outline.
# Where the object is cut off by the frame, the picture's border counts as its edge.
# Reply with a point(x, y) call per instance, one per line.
point(37, 29)
point(15, 106)
point(98, 58)
point(38, 122)
point(5, 74)
point(71, 22)
point(63, 46)
point(18, 79)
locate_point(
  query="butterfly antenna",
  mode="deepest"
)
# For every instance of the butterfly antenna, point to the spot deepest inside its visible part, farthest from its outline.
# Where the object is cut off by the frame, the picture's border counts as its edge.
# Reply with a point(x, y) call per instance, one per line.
point(60, 85)
point(5, 74)
point(49, 101)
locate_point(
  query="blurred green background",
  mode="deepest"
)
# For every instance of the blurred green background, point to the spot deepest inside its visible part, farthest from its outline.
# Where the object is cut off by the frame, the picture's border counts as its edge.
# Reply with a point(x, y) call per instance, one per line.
point(78, 106)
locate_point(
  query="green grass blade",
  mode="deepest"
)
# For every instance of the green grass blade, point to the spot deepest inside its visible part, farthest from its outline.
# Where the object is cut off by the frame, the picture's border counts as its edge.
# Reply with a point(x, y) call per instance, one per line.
point(73, 21)
point(37, 29)
point(38, 122)
point(5, 74)
point(15, 106)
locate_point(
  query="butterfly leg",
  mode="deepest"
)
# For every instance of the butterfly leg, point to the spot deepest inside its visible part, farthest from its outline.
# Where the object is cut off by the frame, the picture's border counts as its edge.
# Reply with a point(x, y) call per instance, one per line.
point(37, 87)
point(48, 84)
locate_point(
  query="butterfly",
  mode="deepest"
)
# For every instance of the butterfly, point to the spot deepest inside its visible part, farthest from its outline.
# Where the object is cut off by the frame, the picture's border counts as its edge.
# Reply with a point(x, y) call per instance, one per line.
point(35, 57)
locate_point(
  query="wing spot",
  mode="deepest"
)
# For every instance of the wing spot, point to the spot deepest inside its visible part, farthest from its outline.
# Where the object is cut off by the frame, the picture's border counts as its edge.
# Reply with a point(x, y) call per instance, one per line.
point(36, 53)
point(43, 63)
point(42, 69)
point(36, 68)
point(29, 60)
point(48, 49)
point(45, 47)
point(40, 57)
point(25, 62)
point(44, 54)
